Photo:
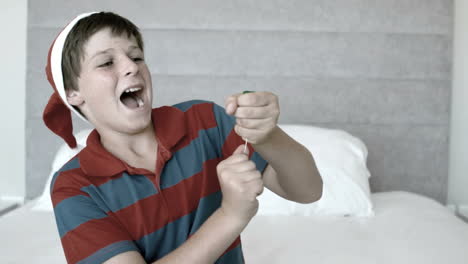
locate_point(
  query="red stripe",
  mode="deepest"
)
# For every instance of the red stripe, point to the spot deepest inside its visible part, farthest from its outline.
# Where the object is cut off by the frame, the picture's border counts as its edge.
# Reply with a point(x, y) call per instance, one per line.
point(193, 189)
point(195, 123)
point(140, 221)
point(69, 183)
point(140, 217)
point(233, 140)
point(62, 187)
point(99, 234)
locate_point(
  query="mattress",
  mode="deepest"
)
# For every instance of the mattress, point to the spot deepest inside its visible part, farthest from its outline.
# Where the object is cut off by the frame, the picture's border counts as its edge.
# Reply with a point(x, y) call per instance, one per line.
point(406, 228)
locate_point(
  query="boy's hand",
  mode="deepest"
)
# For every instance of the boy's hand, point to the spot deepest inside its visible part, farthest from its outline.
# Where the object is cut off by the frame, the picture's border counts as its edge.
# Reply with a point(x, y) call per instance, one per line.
point(256, 115)
point(240, 183)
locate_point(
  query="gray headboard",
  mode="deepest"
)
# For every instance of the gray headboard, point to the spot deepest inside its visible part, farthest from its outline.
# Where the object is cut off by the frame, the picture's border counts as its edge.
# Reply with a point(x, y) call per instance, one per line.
point(378, 69)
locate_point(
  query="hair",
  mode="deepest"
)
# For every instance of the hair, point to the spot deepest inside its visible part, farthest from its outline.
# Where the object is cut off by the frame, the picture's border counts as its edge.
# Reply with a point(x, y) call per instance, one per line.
point(73, 50)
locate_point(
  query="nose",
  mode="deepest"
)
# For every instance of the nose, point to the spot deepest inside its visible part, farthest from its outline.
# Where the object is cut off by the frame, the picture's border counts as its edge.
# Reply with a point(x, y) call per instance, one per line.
point(129, 66)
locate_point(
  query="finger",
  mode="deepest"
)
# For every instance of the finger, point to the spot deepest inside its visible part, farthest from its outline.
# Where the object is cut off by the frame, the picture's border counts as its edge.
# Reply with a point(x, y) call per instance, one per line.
point(238, 150)
point(259, 112)
point(253, 135)
point(259, 192)
point(254, 123)
point(235, 159)
point(242, 167)
point(231, 103)
point(255, 186)
point(251, 175)
point(254, 99)
point(244, 179)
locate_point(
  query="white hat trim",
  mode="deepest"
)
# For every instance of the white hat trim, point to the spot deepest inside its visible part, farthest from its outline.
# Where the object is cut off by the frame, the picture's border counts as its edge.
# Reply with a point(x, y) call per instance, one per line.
point(56, 62)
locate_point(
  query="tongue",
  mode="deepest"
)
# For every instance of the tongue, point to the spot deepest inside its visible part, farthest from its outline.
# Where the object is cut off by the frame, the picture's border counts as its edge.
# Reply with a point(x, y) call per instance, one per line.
point(130, 102)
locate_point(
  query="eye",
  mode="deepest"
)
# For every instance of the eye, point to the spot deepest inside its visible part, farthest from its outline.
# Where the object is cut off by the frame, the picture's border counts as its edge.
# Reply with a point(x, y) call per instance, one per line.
point(106, 64)
point(137, 59)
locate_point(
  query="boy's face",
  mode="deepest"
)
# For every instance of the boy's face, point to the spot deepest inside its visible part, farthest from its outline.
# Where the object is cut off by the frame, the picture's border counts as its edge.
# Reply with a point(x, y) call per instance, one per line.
point(114, 86)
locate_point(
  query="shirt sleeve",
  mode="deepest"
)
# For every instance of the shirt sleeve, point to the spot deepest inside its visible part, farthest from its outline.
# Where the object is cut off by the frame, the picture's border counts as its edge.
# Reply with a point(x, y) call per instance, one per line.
point(88, 234)
point(229, 140)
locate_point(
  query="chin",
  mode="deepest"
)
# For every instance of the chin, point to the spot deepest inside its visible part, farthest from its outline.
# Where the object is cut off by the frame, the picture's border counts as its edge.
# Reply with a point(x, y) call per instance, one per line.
point(138, 125)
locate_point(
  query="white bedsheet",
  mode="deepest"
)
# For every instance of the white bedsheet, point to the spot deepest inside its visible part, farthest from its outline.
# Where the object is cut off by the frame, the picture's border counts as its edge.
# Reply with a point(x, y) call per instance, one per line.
point(407, 228)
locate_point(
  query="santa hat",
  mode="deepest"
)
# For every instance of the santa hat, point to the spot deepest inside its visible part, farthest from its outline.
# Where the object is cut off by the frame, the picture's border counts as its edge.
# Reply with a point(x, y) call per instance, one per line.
point(57, 115)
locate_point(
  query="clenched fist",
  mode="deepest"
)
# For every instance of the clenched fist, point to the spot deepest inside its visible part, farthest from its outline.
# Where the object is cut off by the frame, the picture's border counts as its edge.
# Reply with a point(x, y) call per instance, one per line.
point(256, 113)
point(240, 183)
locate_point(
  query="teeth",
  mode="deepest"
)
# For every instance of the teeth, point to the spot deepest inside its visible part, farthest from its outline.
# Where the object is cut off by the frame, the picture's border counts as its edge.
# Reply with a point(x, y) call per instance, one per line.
point(131, 90)
point(140, 102)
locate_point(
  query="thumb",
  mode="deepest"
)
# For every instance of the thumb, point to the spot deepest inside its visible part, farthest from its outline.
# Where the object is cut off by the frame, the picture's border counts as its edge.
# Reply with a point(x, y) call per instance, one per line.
point(240, 150)
point(231, 104)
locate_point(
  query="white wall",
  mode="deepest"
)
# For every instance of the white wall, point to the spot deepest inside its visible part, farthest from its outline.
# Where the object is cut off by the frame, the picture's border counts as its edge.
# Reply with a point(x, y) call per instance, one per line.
point(458, 165)
point(13, 18)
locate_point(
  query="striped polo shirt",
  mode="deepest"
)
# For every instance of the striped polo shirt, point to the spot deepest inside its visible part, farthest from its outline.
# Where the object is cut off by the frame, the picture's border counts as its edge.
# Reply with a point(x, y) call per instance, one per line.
point(104, 207)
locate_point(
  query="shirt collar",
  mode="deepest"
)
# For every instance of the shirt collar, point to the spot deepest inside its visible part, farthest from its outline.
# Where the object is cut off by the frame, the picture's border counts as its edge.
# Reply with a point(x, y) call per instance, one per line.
point(169, 125)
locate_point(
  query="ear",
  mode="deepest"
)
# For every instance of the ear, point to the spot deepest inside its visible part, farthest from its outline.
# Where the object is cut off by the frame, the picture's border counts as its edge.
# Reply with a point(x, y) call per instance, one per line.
point(74, 97)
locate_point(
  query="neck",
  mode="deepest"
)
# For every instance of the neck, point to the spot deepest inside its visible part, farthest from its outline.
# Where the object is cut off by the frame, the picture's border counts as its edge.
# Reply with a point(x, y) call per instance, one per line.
point(129, 147)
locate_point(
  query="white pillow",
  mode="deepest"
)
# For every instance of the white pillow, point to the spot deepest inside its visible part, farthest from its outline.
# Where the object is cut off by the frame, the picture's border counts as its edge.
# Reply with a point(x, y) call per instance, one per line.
point(64, 154)
point(341, 161)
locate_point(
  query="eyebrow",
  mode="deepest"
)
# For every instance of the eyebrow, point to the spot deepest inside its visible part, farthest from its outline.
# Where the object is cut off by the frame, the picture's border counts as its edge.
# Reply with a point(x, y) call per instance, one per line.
point(100, 53)
point(131, 48)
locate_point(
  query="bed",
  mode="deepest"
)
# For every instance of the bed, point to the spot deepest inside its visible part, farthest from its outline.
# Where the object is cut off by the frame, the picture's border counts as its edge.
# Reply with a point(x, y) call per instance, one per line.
point(406, 228)
point(349, 224)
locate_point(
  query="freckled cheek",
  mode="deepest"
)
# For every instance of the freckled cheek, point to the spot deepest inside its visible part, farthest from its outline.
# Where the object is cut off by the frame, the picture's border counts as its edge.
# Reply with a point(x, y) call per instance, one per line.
point(101, 101)
point(100, 91)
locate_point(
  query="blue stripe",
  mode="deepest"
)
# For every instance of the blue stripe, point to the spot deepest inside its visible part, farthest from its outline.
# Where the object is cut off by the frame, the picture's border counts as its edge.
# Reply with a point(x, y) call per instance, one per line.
point(108, 252)
point(74, 211)
point(160, 243)
point(111, 196)
point(189, 160)
point(260, 163)
point(206, 207)
point(225, 123)
point(122, 192)
point(168, 238)
point(184, 106)
point(234, 256)
point(72, 164)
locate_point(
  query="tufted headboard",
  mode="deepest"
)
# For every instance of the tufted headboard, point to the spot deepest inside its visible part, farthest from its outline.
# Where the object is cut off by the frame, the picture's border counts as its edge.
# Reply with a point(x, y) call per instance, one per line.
point(380, 70)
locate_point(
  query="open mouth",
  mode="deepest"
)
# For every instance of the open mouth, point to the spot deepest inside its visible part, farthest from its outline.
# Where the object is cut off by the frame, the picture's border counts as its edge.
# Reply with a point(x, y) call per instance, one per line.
point(132, 97)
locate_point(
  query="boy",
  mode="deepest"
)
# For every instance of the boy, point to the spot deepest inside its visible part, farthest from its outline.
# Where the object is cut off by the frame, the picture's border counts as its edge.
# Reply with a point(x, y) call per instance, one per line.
point(163, 185)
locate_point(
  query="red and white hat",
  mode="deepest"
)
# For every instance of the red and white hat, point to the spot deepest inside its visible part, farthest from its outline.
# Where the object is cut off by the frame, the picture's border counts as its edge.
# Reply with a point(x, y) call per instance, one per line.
point(57, 115)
